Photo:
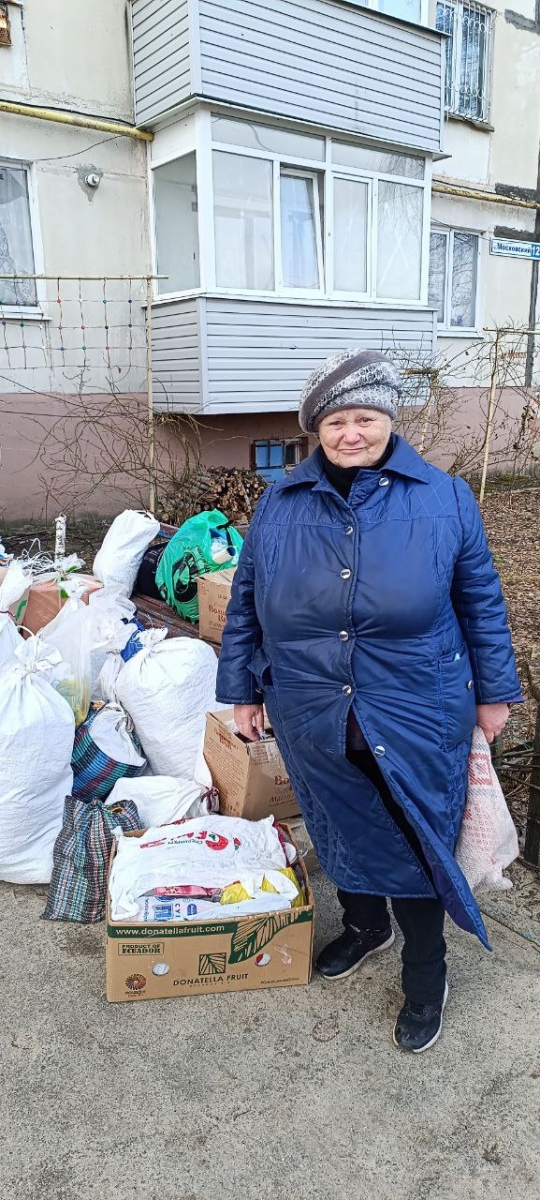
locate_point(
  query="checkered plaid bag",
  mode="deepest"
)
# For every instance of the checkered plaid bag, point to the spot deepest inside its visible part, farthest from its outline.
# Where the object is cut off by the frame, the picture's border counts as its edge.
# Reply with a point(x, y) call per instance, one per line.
point(95, 772)
point(81, 859)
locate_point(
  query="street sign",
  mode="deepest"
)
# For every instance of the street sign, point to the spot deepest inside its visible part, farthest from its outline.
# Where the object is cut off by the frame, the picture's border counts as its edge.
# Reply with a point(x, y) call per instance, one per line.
point(515, 249)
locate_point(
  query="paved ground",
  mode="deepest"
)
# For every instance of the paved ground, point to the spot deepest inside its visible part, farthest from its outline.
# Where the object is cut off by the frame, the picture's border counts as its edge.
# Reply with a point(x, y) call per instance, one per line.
point(279, 1095)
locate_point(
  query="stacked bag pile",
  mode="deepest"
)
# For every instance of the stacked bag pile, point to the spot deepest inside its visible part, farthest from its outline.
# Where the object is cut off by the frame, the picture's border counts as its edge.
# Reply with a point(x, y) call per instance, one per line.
point(101, 725)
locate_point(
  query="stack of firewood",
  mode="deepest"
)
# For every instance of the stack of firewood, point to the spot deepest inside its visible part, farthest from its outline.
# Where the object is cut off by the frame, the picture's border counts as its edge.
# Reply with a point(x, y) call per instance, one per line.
point(233, 490)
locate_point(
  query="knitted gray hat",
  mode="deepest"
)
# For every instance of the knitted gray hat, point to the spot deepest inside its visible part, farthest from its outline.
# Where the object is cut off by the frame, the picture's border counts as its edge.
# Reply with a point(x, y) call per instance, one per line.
point(350, 379)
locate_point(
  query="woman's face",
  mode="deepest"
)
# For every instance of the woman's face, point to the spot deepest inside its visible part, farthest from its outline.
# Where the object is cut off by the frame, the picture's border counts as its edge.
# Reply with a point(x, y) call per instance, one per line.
point(355, 437)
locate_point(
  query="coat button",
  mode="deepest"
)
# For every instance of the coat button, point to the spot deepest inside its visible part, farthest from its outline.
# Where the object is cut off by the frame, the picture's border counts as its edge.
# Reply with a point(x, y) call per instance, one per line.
point(379, 751)
point(384, 481)
point(346, 573)
point(343, 636)
point(470, 685)
point(349, 530)
point(347, 689)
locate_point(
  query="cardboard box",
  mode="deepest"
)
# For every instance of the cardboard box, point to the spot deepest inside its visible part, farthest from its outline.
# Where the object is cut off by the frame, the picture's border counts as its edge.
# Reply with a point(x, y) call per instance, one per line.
point(214, 594)
point(305, 846)
point(251, 777)
point(157, 961)
point(17, 610)
point(45, 600)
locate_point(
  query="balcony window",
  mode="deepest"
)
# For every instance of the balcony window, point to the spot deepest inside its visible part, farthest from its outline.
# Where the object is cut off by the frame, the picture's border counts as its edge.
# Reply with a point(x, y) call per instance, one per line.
point(469, 30)
point(405, 10)
point(16, 243)
point(453, 278)
point(367, 245)
point(301, 242)
point(350, 235)
point(176, 224)
point(287, 214)
point(399, 241)
point(243, 222)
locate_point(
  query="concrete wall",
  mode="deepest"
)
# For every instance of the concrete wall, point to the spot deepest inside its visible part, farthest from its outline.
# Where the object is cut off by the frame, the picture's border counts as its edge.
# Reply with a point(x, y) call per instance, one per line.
point(65, 54)
point(76, 57)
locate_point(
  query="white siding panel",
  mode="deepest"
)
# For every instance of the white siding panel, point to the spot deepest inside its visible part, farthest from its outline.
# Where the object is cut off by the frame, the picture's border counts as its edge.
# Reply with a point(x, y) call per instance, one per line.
point(161, 56)
point(259, 355)
point(176, 356)
point(345, 68)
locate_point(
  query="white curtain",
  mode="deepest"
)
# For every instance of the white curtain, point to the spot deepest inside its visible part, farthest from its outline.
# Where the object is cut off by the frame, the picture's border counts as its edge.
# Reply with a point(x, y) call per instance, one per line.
point(16, 251)
point(298, 232)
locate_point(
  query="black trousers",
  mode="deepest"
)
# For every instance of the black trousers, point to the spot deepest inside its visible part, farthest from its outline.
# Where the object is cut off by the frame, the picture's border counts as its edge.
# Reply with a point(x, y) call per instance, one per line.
point(421, 921)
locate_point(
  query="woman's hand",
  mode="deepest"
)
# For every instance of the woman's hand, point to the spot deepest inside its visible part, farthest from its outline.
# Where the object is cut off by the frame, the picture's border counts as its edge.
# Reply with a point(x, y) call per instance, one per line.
point(250, 720)
point(492, 719)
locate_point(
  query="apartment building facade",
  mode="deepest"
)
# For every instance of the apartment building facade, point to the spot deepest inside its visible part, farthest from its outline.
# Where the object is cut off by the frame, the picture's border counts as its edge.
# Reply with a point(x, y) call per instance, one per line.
point(300, 176)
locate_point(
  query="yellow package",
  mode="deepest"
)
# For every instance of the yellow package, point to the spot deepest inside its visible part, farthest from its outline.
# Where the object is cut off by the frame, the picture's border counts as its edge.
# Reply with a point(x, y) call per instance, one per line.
point(235, 893)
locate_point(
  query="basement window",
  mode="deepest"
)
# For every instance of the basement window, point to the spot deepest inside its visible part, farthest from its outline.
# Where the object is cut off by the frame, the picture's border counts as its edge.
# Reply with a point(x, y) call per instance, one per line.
point(275, 458)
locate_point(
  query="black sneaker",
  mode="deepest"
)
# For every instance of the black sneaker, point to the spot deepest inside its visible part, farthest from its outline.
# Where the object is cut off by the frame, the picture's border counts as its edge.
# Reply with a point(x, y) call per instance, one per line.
point(347, 952)
point(419, 1025)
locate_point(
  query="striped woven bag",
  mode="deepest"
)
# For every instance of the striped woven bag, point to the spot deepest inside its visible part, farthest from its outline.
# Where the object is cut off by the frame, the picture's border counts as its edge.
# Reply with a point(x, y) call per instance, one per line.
point(94, 773)
point(81, 859)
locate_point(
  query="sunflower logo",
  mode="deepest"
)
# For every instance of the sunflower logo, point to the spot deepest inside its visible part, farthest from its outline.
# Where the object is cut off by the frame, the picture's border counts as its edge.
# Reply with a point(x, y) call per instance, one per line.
point(136, 983)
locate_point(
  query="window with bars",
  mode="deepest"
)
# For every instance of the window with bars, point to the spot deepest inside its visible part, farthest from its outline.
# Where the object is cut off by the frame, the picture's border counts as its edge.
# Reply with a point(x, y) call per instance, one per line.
point(469, 30)
point(453, 277)
point(274, 458)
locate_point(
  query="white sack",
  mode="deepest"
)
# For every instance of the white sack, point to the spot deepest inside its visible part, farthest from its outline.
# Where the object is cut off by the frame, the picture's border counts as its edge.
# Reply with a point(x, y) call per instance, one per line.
point(211, 851)
point(110, 732)
point(117, 562)
point(488, 840)
point(160, 799)
point(36, 743)
point(10, 638)
point(107, 679)
point(167, 689)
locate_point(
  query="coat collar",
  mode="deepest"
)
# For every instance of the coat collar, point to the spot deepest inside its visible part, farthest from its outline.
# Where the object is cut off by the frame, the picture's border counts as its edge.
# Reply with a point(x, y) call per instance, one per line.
point(404, 460)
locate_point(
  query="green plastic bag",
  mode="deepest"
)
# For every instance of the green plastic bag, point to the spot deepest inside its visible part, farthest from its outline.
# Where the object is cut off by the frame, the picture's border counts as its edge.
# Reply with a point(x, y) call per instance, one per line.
point(203, 544)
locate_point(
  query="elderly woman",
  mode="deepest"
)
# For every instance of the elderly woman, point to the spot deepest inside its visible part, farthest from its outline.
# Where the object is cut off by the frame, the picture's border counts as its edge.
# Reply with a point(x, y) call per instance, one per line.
point(368, 616)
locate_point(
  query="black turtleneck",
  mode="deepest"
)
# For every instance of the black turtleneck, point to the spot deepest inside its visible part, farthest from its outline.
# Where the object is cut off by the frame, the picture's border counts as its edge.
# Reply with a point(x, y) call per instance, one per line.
point(342, 478)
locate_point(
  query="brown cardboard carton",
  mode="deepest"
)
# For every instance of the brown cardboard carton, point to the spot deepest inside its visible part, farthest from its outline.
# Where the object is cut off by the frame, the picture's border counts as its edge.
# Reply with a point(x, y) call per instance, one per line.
point(214, 594)
point(305, 846)
point(17, 610)
point(45, 600)
point(250, 776)
point(157, 961)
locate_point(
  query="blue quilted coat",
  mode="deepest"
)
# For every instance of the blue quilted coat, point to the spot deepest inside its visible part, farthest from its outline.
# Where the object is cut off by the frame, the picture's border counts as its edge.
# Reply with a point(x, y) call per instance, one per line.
point(388, 602)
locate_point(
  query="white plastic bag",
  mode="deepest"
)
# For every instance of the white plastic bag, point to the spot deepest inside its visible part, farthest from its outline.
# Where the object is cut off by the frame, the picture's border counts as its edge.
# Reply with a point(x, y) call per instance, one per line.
point(211, 851)
point(69, 633)
point(84, 634)
point(167, 689)
point(488, 840)
point(12, 588)
point(117, 562)
point(107, 611)
point(160, 799)
point(36, 742)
